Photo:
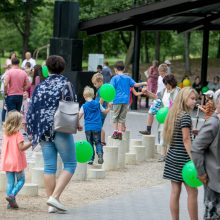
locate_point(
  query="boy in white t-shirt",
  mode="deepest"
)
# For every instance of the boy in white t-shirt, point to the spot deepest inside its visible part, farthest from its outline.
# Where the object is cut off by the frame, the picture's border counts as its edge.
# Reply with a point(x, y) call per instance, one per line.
point(157, 102)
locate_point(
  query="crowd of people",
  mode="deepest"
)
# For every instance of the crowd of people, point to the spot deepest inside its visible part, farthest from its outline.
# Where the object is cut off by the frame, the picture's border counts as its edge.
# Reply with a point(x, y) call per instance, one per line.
point(32, 100)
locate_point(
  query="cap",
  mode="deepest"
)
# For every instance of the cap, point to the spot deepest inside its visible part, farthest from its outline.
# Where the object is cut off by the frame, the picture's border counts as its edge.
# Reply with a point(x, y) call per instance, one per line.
point(167, 62)
point(209, 93)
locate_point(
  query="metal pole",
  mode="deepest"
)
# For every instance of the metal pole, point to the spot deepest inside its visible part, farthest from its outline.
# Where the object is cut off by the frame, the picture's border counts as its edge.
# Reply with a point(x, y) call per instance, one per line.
point(205, 53)
point(136, 60)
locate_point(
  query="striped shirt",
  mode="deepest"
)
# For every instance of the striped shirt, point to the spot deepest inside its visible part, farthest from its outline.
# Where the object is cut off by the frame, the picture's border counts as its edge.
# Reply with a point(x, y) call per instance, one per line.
point(177, 155)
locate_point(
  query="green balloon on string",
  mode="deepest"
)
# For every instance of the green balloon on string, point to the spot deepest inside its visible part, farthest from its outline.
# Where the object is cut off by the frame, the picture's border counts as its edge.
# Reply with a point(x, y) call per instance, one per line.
point(162, 114)
point(84, 151)
point(107, 92)
point(45, 71)
point(189, 174)
point(205, 89)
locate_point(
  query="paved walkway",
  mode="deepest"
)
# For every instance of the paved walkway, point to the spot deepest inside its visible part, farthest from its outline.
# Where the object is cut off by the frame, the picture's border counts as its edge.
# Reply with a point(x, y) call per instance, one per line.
point(145, 204)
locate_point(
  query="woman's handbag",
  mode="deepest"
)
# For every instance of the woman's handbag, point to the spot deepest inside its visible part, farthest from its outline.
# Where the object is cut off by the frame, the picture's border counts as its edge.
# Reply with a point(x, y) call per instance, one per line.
point(67, 114)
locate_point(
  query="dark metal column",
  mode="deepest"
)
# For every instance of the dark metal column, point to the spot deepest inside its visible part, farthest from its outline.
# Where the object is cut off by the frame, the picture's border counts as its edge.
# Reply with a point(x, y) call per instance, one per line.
point(136, 60)
point(205, 54)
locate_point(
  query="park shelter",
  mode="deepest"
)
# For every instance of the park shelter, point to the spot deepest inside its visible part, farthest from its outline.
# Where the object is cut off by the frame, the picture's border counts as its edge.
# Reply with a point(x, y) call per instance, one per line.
point(174, 15)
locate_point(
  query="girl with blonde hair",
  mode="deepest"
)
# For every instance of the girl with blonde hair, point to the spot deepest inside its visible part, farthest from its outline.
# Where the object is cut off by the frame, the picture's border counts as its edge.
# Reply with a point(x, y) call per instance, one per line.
point(13, 160)
point(177, 134)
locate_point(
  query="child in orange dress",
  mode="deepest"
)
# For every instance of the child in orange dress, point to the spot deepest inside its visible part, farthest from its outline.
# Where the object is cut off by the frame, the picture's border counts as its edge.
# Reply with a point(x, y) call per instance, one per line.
point(13, 160)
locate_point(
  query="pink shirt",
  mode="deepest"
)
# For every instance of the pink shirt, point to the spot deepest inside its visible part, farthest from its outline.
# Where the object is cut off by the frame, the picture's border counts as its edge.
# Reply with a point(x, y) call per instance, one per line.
point(12, 159)
point(17, 79)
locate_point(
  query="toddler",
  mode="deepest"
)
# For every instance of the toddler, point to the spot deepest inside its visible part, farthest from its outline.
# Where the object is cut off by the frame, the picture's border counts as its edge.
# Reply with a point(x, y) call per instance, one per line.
point(13, 160)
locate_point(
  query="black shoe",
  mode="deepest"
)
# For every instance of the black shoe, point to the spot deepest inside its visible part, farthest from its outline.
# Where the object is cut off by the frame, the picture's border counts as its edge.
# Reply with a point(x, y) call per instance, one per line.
point(100, 159)
point(145, 132)
point(12, 202)
point(90, 162)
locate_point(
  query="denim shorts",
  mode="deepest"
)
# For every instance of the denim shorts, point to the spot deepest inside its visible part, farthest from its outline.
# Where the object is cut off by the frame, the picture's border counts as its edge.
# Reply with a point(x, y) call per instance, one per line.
point(64, 145)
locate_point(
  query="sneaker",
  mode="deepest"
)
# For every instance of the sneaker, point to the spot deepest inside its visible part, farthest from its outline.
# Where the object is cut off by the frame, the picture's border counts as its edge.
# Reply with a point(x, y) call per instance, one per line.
point(145, 132)
point(12, 202)
point(51, 209)
point(115, 135)
point(90, 162)
point(162, 159)
point(120, 136)
point(100, 159)
point(8, 206)
point(56, 204)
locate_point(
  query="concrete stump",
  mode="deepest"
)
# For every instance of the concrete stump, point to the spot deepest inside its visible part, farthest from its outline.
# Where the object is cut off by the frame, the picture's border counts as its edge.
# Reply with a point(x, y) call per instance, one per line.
point(110, 157)
point(159, 148)
point(37, 176)
point(3, 181)
point(149, 143)
point(121, 154)
point(81, 172)
point(39, 161)
point(29, 189)
point(96, 173)
point(130, 158)
point(140, 153)
point(126, 138)
point(134, 142)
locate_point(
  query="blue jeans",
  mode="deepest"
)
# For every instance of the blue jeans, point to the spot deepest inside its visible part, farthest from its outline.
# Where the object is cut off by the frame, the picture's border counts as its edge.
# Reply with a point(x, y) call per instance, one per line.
point(14, 102)
point(16, 181)
point(65, 146)
point(94, 137)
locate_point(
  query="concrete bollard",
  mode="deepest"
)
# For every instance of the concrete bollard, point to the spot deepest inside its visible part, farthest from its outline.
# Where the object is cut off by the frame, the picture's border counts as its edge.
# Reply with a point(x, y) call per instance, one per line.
point(39, 161)
point(149, 143)
point(81, 172)
point(130, 158)
point(96, 173)
point(110, 157)
point(126, 137)
point(37, 176)
point(159, 149)
point(3, 181)
point(121, 154)
point(29, 189)
point(140, 153)
point(134, 142)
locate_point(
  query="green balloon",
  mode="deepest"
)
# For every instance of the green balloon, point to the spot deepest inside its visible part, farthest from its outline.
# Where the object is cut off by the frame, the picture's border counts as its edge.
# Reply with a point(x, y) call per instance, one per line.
point(162, 114)
point(84, 151)
point(45, 72)
point(205, 89)
point(189, 174)
point(107, 92)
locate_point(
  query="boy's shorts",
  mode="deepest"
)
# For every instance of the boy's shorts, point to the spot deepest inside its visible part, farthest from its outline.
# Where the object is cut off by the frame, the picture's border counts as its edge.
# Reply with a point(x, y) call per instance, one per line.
point(155, 106)
point(119, 113)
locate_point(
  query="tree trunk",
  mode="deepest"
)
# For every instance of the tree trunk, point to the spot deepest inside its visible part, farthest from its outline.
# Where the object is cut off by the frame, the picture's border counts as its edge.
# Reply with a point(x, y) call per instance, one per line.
point(129, 55)
point(218, 52)
point(27, 26)
point(157, 45)
point(186, 36)
point(99, 44)
point(146, 52)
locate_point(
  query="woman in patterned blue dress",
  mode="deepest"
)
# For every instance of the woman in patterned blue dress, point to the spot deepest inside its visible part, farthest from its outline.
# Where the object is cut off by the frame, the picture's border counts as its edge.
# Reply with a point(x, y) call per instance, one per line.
point(177, 134)
point(40, 118)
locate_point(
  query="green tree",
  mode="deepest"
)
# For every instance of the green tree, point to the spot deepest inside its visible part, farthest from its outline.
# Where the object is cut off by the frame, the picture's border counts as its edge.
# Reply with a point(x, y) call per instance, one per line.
point(20, 13)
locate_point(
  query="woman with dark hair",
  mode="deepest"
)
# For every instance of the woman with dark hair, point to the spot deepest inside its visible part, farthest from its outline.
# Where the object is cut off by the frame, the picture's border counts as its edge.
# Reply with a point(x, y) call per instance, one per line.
point(8, 60)
point(40, 120)
point(37, 78)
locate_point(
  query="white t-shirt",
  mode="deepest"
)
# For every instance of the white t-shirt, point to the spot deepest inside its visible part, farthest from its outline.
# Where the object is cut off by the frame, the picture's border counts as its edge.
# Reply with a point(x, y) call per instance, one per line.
point(160, 84)
point(31, 61)
point(166, 98)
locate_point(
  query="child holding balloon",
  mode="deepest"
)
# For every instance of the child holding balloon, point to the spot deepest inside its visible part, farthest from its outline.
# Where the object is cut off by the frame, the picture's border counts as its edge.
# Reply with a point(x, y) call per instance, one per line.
point(91, 110)
point(122, 84)
point(97, 81)
point(177, 135)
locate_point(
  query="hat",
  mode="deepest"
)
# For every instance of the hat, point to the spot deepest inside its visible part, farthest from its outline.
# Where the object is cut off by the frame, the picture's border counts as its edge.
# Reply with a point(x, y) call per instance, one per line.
point(209, 93)
point(167, 62)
